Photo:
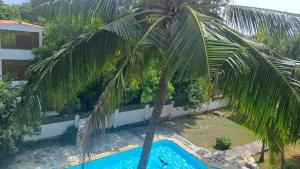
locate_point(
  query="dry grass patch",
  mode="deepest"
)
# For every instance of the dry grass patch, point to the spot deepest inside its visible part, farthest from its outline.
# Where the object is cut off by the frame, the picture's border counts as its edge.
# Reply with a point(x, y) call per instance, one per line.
point(202, 130)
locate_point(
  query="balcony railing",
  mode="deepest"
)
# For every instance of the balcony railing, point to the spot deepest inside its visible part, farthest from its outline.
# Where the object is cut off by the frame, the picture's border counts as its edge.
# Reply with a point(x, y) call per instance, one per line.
point(18, 40)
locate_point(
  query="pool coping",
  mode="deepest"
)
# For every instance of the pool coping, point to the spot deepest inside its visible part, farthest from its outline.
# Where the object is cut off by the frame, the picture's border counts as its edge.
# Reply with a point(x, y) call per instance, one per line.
point(129, 147)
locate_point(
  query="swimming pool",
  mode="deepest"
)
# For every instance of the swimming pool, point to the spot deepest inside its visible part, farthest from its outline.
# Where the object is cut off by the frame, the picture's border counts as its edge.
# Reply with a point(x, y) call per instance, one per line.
point(165, 154)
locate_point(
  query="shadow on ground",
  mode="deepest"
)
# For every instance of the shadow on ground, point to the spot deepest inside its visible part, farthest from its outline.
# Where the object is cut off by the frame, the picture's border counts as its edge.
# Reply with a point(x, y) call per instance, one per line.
point(202, 130)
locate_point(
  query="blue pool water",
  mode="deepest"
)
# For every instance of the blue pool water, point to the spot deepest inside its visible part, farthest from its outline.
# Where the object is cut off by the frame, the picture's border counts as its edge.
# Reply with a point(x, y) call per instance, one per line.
point(164, 155)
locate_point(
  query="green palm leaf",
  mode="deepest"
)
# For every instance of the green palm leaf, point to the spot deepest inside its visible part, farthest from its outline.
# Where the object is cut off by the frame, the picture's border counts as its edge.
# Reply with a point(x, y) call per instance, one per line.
point(188, 46)
point(77, 65)
point(274, 137)
point(125, 69)
point(193, 53)
point(251, 19)
point(258, 87)
point(108, 9)
point(111, 97)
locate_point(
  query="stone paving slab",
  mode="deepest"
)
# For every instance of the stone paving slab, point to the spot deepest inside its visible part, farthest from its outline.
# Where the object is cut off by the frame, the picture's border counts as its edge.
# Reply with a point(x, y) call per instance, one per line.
point(239, 157)
point(55, 157)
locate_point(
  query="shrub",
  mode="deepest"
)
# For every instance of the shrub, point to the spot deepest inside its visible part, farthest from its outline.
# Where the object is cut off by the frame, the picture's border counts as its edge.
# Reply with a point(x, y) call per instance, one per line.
point(222, 143)
point(290, 166)
point(12, 124)
point(149, 87)
point(72, 106)
point(190, 94)
point(70, 135)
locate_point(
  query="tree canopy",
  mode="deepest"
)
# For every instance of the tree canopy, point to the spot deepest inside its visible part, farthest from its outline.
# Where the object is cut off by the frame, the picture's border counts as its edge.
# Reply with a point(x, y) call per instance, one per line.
point(10, 12)
point(13, 123)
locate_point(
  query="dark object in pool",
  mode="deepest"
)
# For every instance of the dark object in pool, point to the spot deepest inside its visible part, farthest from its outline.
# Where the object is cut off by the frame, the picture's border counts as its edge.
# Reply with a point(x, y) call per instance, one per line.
point(162, 161)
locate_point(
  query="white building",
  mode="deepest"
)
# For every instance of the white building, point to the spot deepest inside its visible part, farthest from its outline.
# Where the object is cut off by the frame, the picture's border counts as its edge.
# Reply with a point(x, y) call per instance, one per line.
point(17, 39)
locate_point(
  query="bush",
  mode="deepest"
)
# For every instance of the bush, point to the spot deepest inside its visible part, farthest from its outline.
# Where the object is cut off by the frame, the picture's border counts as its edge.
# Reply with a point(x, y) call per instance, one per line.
point(190, 94)
point(13, 125)
point(222, 143)
point(290, 166)
point(149, 87)
point(72, 106)
point(70, 135)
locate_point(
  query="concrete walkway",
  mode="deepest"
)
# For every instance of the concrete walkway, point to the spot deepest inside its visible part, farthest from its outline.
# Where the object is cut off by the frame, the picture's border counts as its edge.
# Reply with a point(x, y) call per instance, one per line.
point(57, 157)
point(237, 157)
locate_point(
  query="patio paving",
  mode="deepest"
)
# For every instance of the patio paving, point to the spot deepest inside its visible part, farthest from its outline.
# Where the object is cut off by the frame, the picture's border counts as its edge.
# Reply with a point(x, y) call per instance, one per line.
point(239, 157)
point(57, 157)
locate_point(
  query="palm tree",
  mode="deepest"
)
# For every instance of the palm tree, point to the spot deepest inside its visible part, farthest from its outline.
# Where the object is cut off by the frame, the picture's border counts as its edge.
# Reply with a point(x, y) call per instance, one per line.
point(188, 39)
point(262, 152)
point(286, 46)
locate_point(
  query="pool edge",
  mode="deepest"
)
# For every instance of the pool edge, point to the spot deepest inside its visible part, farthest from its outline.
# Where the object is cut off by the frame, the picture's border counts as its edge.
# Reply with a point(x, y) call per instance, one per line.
point(129, 147)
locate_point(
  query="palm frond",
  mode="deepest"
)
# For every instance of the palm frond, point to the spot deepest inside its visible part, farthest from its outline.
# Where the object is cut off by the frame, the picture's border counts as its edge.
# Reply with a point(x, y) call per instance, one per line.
point(80, 62)
point(109, 9)
point(193, 53)
point(188, 46)
point(159, 39)
point(249, 68)
point(126, 27)
point(94, 126)
point(127, 67)
point(250, 20)
point(89, 134)
point(273, 136)
point(260, 88)
point(218, 52)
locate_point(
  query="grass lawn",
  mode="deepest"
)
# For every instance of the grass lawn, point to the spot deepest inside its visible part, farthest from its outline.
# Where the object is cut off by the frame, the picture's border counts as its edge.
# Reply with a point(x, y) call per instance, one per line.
point(202, 130)
point(292, 156)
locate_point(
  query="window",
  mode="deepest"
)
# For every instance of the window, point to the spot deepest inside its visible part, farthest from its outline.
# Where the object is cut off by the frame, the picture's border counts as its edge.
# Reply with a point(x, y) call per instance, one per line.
point(15, 68)
point(19, 40)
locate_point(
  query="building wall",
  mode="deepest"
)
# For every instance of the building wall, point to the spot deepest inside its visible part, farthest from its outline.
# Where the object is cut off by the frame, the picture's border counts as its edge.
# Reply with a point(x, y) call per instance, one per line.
point(119, 119)
point(18, 54)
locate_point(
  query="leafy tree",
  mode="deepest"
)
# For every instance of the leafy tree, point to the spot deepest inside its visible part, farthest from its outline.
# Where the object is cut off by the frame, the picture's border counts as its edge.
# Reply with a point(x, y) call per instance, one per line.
point(90, 96)
point(58, 33)
point(13, 126)
point(188, 40)
point(291, 48)
point(9, 12)
point(28, 13)
point(190, 94)
point(149, 87)
point(284, 45)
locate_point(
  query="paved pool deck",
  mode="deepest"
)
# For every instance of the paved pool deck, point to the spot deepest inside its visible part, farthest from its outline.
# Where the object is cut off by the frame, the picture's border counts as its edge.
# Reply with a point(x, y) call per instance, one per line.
point(58, 157)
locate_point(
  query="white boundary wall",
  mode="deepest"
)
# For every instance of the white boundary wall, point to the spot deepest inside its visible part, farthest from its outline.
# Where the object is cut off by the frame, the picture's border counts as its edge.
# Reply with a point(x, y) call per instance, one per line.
point(120, 119)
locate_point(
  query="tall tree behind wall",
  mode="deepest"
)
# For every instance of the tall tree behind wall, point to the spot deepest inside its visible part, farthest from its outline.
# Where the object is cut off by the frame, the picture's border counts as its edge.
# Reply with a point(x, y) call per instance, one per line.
point(283, 45)
point(9, 12)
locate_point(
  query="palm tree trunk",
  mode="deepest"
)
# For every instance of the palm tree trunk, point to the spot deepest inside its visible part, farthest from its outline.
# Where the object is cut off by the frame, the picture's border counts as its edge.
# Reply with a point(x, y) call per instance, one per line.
point(154, 121)
point(262, 153)
point(282, 159)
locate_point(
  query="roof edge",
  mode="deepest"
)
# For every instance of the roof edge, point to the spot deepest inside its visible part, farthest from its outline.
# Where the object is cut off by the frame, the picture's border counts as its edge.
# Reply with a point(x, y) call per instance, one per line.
point(15, 22)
